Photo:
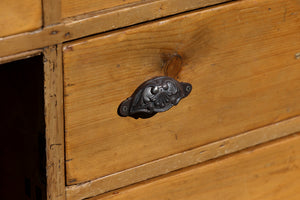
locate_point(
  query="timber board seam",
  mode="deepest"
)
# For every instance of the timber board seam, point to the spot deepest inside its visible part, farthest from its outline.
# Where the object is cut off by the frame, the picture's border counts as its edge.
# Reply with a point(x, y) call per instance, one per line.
point(66, 30)
point(250, 150)
point(86, 15)
point(184, 159)
point(96, 13)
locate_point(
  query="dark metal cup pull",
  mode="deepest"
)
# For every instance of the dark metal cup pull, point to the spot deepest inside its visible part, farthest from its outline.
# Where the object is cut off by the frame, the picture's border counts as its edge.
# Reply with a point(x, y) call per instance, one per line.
point(158, 94)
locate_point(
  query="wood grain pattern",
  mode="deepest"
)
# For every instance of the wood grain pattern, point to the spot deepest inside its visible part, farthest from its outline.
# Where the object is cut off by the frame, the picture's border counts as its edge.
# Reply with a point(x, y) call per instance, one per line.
point(183, 159)
point(239, 58)
point(54, 123)
point(19, 16)
point(99, 22)
point(72, 8)
point(270, 172)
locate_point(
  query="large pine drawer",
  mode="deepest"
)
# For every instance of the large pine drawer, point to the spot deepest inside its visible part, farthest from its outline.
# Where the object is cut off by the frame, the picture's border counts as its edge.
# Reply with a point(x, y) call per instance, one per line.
point(270, 172)
point(241, 59)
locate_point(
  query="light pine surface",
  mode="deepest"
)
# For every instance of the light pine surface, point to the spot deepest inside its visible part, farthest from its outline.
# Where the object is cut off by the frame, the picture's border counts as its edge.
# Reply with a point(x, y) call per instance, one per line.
point(71, 8)
point(51, 12)
point(53, 91)
point(19, 16)
point(93, 23)
point(270, 172)
point(20, 56)
point(183, 159)
point(239, 57)
point(76, 7)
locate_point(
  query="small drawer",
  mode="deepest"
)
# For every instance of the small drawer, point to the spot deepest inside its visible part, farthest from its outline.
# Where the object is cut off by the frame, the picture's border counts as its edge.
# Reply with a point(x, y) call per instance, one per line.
point(19, 16)
point(268, 172)
point(239, 57)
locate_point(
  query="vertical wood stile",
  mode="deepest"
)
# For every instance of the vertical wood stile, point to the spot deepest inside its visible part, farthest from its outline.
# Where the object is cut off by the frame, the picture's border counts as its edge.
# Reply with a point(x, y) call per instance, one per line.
point(54, 122)
point(51, 12)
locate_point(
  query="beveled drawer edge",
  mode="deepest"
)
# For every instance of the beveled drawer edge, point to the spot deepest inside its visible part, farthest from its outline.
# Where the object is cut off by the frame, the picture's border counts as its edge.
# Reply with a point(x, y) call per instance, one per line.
point(184, 159)
point(94, 24)
point(20, 56)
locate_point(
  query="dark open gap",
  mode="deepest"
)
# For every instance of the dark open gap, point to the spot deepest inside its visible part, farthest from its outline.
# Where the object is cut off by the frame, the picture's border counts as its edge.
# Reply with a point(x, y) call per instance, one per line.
point(22, 130)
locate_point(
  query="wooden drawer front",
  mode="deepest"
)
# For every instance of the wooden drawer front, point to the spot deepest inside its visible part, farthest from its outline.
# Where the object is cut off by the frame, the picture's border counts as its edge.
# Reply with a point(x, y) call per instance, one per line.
point(239, 57)
point(76, 7)
point(19, 16)
point(158, 8)
point(271, 172)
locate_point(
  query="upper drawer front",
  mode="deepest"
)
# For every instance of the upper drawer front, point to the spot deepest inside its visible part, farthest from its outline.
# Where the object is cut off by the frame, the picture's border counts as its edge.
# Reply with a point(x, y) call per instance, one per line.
point(76, 7)
point(155, 8)
point(240, 59)
point(19, 16)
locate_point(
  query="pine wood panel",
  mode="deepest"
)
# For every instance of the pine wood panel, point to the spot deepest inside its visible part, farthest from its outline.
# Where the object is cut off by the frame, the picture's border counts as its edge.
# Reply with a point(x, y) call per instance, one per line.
point(239, 58)
point(76, 7)
point(70, 8)
point(51, 12)
point(183, 159)
point(94, 23)
point(20, 56)
point(271, 172)
point(53, 91)
point(19, 16)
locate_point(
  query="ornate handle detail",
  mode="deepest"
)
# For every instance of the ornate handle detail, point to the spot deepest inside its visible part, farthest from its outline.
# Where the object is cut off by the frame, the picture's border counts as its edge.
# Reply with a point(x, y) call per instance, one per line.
point(158, 94)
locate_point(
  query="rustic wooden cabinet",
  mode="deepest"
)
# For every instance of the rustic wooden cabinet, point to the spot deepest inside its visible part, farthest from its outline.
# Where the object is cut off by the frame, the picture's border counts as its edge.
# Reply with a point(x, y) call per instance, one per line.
point(236, 136)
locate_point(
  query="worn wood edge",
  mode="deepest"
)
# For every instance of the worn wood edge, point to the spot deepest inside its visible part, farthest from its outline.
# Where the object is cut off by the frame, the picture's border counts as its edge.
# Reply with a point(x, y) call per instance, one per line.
point(141, 4)
point(259, 147)
point(184, 159)
point(53, 92)
point(105, 10)
point(51, 12)
point(101, 22)
point(20, 56)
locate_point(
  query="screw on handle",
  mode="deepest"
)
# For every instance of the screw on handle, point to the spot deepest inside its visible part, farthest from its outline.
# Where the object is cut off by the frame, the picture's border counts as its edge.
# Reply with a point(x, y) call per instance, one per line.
point(158, 94)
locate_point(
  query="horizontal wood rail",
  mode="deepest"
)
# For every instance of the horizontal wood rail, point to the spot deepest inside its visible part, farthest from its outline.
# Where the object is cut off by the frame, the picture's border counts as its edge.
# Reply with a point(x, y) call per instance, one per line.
point(98, 22)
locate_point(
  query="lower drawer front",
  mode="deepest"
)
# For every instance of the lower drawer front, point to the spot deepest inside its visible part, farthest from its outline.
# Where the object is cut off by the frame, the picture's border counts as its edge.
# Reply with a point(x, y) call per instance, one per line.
point(239, 57)
point(269, 172)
